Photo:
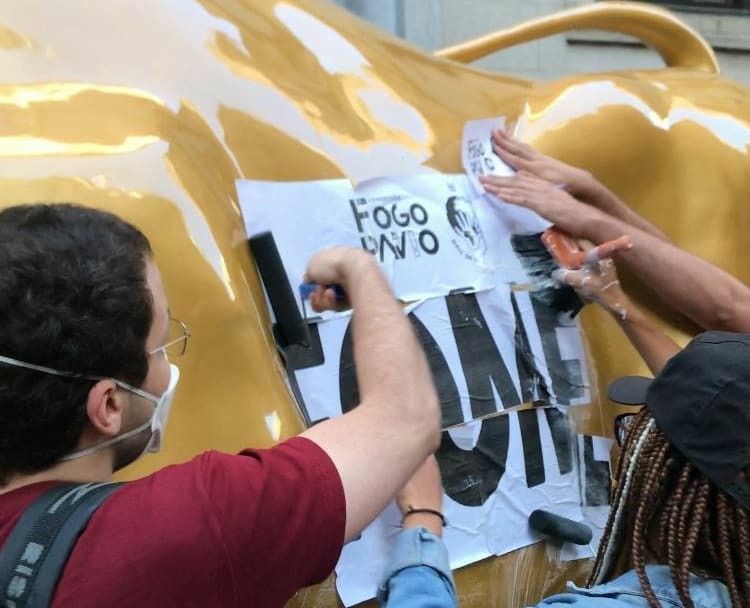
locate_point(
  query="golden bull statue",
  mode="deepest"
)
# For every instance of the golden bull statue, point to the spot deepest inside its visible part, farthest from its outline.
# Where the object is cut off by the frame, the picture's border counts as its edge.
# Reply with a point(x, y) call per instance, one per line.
point(152, 110)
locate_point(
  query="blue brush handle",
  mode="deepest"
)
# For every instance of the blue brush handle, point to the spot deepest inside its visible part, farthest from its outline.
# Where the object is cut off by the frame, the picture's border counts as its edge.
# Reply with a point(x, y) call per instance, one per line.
point(306, 289)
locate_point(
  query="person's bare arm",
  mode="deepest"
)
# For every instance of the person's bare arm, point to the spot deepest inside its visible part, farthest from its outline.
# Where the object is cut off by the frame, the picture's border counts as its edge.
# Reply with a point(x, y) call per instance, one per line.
point(423, 491)
point(578, 182)
point(601, 197)
point(599, 283)
point(709, 296)
point(377, 446)
point(652, 343)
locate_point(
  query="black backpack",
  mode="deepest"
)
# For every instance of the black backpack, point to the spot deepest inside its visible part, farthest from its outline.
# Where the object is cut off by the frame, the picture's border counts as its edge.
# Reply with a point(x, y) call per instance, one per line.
point(33, 557)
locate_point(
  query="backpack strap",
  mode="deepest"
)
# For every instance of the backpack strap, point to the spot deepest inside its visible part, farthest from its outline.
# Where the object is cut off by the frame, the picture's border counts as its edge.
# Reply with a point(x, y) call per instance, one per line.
point(37, 549)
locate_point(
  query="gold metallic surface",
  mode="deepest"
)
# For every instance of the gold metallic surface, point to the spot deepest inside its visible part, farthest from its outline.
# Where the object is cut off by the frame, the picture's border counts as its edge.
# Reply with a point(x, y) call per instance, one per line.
point(152, 108)
point(678, 44)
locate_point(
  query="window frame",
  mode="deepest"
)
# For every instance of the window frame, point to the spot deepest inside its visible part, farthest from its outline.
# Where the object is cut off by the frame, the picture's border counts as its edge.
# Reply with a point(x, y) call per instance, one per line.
point(702, 6)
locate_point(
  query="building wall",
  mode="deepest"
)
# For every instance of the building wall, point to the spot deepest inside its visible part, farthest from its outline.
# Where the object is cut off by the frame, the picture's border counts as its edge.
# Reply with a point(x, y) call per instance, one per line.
point(433, 24)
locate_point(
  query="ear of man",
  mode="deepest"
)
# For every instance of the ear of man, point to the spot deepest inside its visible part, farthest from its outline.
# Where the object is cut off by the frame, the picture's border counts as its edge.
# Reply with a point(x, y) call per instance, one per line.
point(105, 407)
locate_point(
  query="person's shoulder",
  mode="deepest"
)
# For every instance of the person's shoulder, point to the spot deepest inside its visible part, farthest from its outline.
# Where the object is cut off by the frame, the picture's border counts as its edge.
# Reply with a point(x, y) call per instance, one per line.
point(293, 445)
point(619, 593)
point(213, 478)
point(296, 455)
point(626, 591)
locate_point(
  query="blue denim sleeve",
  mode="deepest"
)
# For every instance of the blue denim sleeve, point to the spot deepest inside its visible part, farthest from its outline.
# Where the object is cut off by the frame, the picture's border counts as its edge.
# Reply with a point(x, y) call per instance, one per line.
point(419, 573)
point(566, 600)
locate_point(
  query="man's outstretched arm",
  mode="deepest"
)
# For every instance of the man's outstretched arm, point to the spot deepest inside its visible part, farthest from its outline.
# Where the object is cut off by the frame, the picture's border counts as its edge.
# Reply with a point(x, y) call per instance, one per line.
point(709, 296)
point(377, 446)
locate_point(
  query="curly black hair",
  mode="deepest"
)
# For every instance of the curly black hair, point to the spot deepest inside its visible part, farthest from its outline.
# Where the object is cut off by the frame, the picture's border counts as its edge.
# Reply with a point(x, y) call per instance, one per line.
point(73, 297)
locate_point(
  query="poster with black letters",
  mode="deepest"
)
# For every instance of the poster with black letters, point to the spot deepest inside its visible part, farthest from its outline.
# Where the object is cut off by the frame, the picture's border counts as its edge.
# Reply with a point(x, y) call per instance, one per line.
point(595, 479)
point(423, 230)
point(505, 377)
point(507, 365)
point(493, 520)
point(477, 155)
point(487, 351)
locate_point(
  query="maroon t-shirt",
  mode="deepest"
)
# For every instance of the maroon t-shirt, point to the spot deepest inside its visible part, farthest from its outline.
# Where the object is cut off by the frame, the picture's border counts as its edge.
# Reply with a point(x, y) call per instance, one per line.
point(221, 530)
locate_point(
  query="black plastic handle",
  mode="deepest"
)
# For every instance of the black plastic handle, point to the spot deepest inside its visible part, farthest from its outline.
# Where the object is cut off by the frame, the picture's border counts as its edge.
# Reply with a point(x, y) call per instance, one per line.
point(290, 326)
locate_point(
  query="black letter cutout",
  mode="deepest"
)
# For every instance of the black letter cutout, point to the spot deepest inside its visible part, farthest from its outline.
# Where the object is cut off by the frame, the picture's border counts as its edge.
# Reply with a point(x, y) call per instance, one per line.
point(598, 480)
point(480, 359)
point(445, 385)
point(534, 388)
point(470, 477)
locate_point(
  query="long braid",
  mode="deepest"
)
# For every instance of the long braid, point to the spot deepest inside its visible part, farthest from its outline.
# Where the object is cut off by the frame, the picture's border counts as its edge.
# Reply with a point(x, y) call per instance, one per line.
point(662, 523)
point(742, 524)
point(678, 518)
point(700, 523)
point(674, 506)
point(701, 489)
point(641, 429)
point(641, 526)
point(707, 536)
point(726, 551)
point(691, 487)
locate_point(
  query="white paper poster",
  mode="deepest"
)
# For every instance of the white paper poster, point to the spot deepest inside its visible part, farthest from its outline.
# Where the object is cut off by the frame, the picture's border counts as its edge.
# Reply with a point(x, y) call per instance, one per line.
point(506, 363)
point(478, 158)
point(496, 521)
point(423, 230)
point(595, 478)
point(488, 352)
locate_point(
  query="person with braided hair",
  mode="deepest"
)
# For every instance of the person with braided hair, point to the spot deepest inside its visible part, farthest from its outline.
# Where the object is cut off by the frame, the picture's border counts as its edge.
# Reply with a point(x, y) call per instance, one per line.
point(681, 487)
point(679, 515)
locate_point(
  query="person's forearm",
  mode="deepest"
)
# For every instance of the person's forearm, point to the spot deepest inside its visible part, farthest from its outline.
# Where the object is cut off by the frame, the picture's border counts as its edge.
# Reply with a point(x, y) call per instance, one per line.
point(377, 446)
point(650, 341)
point(709, 296)
point(392, 372)
point(598, 195)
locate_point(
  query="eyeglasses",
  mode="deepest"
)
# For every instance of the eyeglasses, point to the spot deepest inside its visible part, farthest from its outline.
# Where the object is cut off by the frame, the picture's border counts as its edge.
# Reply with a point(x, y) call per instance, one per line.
point(622, 425)
point(176, 343)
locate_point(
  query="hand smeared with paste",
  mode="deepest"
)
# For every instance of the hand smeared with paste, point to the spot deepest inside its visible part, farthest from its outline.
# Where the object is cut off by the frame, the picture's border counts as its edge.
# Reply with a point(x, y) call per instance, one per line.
point(597, 282)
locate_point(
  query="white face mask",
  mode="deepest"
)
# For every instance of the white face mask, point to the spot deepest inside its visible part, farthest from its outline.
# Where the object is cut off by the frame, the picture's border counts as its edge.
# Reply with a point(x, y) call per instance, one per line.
point(157, 422)
point(161, 411)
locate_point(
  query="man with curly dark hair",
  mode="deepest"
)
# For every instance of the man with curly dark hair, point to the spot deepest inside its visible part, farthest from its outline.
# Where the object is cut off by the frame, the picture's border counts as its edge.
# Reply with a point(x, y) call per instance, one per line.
point(85, 389)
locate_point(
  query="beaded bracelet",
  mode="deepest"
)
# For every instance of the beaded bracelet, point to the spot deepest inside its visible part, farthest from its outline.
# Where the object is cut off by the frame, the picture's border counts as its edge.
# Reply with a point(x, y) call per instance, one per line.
point(411, 510)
